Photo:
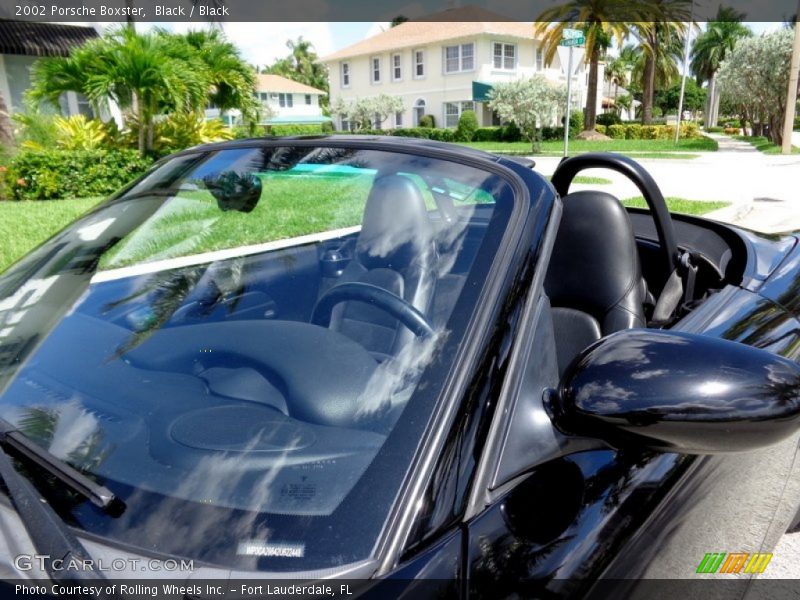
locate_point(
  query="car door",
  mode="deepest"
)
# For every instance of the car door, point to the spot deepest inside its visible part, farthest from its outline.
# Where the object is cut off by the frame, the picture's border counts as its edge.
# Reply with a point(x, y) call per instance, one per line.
point(550, 513)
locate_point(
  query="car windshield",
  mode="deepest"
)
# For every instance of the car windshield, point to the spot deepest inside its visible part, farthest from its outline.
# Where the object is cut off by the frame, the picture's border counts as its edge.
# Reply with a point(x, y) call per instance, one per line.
point(247, 344)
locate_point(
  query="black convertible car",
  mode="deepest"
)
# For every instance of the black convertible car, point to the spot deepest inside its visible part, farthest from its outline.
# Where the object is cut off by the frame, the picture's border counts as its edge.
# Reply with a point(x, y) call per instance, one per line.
point(375, 358)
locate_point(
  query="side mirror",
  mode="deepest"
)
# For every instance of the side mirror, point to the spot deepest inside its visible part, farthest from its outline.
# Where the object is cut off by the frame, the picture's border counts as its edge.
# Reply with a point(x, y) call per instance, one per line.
point(679, 392)
point(234, 191)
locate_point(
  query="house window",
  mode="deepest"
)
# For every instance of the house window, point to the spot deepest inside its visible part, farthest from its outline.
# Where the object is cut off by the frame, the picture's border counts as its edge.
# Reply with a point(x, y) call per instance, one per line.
point(419, 64)
point(376, 121)
point(308, 98)
point(398, 119)
point(346, 126)
point(397, 70)
point(263, 96)
point(539, 59)
point(453, 110)
point(505, 56)
point(285, 100)
point(459, 58)
point(345, 74)
point(376, 70)
point(84, 106)
point(419, 111)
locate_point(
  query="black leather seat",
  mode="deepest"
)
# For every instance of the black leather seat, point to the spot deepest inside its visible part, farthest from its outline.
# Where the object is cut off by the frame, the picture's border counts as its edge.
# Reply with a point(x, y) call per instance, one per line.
point(396, 251)
point(594, 280)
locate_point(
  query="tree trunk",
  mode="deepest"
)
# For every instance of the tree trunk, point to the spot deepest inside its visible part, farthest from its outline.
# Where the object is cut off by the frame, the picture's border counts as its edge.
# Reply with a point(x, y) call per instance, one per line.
point(712, 102)
point(591, 93)
point(616, 93)
point(6, 131)
point(139, 108)
point(648, 90)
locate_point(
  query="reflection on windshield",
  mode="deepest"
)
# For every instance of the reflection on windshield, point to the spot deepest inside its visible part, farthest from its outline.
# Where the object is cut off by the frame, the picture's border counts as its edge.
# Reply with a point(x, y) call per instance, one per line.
point(166, 347)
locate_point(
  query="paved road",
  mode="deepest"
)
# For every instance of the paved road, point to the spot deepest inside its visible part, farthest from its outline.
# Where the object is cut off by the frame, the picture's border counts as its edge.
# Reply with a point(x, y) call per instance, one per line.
point(764, 190)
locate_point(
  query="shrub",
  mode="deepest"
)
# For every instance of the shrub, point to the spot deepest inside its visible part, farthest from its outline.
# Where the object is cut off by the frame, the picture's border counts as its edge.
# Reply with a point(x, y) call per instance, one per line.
point(715, 129)
point(731, 130)
point(797, 123)
point(467, 126)
point(633, 131)
point(609, 119)
point(427, 121)
point(552, 133)
point(443, 135)
point(327, 127)
point(616, 131)
point(576, 123)
point(295, 129)
point(649, 132)
point(46, 174)
point(511, 133)
point(601, 129)
point(488, 134)
point(731, 123)
point(415, 132)
point(665, 132)
point(690, 130)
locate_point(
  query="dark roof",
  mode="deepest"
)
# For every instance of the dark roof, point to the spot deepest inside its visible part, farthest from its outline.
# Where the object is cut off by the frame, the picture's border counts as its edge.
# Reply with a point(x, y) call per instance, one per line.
point(41, 39)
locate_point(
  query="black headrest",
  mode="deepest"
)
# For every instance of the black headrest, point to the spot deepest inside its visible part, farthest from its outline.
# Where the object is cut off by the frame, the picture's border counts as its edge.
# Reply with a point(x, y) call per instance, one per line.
point(595, 264)
point(395, 229)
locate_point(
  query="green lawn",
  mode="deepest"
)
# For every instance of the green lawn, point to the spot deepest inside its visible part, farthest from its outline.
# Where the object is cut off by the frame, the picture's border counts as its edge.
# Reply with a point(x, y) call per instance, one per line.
point(636, 148)
point(283, 212)
point(25, 225)
point(591, 180)
point(763, 144)
point(680, 205)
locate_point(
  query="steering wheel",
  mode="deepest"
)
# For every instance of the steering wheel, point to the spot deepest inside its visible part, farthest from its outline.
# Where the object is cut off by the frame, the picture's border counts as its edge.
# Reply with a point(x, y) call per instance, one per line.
point(376, 296)
point(569, 168)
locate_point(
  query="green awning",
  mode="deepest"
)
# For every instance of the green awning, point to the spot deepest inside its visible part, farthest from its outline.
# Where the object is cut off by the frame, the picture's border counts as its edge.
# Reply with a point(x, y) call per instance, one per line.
point(480, 91)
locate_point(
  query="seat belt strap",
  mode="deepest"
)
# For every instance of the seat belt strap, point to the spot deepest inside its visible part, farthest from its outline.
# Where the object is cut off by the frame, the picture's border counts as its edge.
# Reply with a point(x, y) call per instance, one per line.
point(669, 299)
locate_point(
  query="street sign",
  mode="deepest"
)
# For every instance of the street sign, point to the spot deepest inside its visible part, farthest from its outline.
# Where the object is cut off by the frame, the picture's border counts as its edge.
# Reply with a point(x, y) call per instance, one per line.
point(572, 41)
point(571, 34)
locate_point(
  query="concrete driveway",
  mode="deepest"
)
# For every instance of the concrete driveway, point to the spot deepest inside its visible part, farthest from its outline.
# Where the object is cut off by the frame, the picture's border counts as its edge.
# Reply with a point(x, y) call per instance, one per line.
point(764, 190)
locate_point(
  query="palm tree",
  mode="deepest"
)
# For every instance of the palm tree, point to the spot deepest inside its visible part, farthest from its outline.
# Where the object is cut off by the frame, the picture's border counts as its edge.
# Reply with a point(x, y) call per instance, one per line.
point(657, 37)
point(711, 48)
point(600, 22)
point(231, 79)
point(617, 73)
point(302, 65)
point(145, 74)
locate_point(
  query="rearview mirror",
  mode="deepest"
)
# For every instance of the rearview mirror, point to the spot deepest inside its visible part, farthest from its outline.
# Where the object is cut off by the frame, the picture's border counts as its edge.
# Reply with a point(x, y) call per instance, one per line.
point(234, 191)
point(679, 392)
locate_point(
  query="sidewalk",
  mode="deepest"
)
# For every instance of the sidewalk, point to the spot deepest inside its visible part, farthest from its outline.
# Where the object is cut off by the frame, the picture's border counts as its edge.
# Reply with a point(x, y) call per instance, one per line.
point(764, 190)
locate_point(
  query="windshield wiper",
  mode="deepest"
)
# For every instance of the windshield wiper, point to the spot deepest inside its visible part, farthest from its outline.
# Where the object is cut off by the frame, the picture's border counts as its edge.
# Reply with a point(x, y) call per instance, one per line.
point(48, 532)
point(78, 482)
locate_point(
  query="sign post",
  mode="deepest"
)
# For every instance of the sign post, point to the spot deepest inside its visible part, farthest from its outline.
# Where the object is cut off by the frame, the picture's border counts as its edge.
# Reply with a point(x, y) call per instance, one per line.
point(571, 38)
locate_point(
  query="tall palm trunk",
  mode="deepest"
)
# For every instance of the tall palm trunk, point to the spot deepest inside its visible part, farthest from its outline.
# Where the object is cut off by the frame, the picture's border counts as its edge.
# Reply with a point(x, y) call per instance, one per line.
point(591, 93)
point(138, 107)
point(6, 131)
point(648, 90)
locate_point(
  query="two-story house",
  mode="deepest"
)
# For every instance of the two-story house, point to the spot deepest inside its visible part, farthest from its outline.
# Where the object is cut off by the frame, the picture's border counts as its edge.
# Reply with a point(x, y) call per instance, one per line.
point(287, 102)
point(444, 66)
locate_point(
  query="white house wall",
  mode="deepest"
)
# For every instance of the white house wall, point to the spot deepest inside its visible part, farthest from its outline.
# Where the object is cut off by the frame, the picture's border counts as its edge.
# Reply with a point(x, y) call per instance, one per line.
point(436, 87)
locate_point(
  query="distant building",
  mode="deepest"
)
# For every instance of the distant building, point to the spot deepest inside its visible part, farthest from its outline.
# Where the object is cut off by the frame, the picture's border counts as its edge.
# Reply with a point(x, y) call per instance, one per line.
point(22, 43)
point(290, 101)
point(447, 65)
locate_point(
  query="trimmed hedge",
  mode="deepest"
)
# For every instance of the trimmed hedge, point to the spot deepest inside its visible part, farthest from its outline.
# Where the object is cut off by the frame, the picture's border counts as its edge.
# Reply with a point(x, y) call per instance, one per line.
point(295, 129)
point(427, 121)
point(616, 131)
point(609, 119)
point(50, 174)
